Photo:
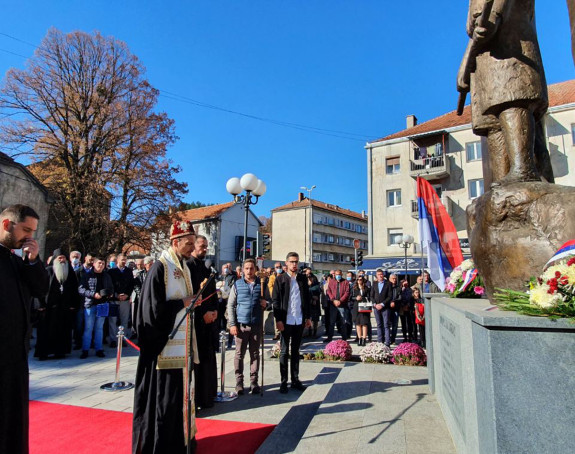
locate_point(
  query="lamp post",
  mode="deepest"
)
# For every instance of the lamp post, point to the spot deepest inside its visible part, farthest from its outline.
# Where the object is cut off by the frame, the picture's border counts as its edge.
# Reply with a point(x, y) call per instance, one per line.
point(405, 242)
point(254, 188)
point(310, 222)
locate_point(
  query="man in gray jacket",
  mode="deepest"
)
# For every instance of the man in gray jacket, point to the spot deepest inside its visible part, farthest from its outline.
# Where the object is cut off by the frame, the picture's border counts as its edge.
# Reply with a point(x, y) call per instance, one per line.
point(245, 306)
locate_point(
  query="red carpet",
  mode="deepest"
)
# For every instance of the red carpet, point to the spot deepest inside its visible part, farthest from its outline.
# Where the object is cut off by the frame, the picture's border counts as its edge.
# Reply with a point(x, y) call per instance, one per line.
point(57, 429)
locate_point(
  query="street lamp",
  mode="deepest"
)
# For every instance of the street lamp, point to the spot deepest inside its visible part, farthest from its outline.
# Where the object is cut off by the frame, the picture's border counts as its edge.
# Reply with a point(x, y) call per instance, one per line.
point(405, 242)
point(254, 188)
point(310, 222)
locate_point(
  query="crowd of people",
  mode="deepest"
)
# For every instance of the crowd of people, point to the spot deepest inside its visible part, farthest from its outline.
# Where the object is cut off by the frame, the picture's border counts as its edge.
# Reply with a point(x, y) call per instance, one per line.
point(81, 303)
point(86, 303)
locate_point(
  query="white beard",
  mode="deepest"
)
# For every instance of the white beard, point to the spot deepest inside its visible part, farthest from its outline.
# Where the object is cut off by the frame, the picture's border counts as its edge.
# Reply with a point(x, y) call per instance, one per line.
point(61, 271)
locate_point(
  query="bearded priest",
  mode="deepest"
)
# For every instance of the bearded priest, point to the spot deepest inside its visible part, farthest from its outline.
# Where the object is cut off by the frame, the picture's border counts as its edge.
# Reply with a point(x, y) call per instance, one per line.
point(58, 310)
point(162, 383)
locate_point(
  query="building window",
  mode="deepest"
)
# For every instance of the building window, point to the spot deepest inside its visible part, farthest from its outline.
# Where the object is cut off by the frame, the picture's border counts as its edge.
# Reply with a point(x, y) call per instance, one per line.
point(392, 165)
point(317, 257)
point(394, 198)
point(331, 257)
point(317, 237)
point(475, 188)
point(392, 234)
point(330, 221)
point(473, 151)
point(330, 239)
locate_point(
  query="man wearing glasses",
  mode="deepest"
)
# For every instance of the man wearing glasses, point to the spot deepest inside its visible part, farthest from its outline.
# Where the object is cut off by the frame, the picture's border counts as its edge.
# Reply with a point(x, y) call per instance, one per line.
point(291, 305)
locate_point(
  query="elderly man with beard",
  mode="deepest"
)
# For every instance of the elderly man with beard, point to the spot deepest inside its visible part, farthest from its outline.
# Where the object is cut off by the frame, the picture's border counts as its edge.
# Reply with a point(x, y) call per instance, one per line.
point(205, 316)
point(161, 413)
point(57, 310)
point(20, 279)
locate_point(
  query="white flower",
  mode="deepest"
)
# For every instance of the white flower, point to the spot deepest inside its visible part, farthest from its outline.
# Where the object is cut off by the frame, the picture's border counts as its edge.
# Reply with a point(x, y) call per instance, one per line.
point(467, 265)
point(550, 272)
point(540, 296)
point(456, 275)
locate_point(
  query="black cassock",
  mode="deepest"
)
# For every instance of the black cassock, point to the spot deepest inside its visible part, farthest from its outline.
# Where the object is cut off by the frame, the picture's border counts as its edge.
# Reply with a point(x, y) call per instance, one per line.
point(57, 319)
point(19, 281)
point(159, 394)
point(206, 373)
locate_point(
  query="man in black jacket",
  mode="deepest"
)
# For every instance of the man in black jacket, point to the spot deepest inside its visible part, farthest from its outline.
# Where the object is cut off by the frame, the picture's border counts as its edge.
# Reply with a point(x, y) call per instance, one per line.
point(381, 298)
point(291, 304)
point(20, 278)
point(123, 279)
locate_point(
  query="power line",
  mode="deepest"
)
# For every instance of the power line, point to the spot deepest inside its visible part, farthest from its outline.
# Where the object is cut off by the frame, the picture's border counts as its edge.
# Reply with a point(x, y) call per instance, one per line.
point(177, 97)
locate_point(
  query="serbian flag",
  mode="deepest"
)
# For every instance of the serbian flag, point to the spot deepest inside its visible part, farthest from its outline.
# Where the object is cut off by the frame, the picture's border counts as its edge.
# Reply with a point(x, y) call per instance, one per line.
point(437, 234)
point(565, 251)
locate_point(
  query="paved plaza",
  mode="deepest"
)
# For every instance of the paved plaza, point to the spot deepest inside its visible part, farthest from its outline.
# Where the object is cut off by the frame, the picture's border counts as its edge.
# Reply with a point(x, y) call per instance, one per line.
point(347, 407)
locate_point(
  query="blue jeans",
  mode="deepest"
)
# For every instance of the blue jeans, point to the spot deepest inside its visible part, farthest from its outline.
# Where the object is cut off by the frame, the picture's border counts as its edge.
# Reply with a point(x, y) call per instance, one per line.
point(92, 323)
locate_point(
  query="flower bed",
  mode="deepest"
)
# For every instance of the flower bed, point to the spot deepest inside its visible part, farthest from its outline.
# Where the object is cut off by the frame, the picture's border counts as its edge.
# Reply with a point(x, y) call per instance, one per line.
point(376, 352)
point(409, 354)
point(338, 350)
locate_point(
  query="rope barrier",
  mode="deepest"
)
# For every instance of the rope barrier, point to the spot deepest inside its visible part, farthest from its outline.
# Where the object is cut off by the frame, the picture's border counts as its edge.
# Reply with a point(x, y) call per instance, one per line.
point(131, 344)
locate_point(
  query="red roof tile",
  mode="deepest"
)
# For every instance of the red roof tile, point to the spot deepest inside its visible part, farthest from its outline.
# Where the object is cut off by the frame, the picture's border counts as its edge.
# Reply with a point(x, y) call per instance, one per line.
point(199, 214)
point(323, 206)
point(559, 94)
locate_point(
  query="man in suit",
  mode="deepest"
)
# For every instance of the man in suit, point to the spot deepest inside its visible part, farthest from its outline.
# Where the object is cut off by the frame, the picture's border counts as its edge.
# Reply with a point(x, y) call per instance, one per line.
point(291, 305)
point(381, 298)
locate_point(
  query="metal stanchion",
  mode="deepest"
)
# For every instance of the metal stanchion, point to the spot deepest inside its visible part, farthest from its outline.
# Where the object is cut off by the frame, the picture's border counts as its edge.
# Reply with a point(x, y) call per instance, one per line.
point(224, 396)
point(118, 385)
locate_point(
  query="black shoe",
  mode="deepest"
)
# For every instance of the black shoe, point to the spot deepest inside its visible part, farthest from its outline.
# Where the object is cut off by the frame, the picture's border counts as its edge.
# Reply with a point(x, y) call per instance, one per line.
point(240, 389)
point(255, 389)
point(84, 354)
point(283, 388)
point(100, 354)
point(298, 385)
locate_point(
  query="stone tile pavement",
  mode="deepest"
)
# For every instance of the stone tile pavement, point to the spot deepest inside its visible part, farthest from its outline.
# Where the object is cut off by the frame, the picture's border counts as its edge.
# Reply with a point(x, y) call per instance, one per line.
point(347, 407)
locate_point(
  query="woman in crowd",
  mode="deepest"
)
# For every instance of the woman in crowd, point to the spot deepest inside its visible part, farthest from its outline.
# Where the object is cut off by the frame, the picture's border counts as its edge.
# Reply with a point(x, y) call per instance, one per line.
point(361, 311)
point(419, 314)
point(407, 327)
point(315, 293)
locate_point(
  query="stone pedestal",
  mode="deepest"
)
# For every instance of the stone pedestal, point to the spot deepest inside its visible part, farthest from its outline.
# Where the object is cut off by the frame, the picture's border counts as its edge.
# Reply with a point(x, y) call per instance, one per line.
point(505, 382)
point(515, 229)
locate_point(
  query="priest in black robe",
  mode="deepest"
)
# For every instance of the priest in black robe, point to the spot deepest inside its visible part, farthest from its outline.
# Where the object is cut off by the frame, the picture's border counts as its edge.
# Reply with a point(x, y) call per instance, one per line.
point(57, 311)
point(20, 279)
point(158, 425)
point(206, 315)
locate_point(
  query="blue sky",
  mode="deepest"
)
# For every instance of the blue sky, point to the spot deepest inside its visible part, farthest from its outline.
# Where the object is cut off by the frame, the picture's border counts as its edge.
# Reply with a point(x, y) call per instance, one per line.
point(355, 68)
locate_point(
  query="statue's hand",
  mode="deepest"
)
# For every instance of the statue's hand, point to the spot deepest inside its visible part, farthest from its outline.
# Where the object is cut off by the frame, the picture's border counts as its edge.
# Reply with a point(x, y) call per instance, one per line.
point(483, 34)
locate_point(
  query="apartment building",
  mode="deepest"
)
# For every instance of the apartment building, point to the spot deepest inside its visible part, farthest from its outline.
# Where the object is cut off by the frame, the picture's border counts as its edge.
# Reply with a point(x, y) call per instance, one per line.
point(322, 234)
point(445, 152)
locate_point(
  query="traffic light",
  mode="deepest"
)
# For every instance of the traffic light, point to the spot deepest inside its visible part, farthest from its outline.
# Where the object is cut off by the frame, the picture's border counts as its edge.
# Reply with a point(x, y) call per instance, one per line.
point(267, 239)
point(353, 262)
point(359, 258)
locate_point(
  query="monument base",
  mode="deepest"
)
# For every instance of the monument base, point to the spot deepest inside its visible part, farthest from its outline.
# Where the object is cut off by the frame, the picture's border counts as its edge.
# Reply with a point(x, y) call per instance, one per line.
point(504, 381)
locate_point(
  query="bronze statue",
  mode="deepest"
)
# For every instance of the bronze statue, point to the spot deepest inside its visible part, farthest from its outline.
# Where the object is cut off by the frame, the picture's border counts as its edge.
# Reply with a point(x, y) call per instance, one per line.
point(502, 68)
point(571, 6)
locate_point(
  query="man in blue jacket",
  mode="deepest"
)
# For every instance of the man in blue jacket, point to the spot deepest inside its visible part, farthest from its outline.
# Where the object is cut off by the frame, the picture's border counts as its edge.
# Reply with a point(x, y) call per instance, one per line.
point(245, 306)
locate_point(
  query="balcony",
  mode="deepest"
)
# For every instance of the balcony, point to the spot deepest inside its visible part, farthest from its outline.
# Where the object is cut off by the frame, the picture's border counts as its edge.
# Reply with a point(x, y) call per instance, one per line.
point(432, 168)
point(445, 200)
